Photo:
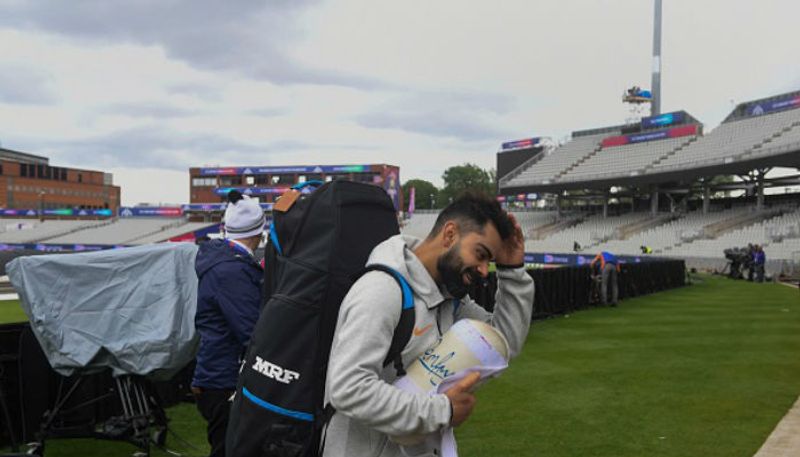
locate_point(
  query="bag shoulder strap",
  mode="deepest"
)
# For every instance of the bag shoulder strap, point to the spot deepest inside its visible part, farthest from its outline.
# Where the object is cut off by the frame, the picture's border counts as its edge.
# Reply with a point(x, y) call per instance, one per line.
point(402, 333)
point(401, 337)
point(273, 237)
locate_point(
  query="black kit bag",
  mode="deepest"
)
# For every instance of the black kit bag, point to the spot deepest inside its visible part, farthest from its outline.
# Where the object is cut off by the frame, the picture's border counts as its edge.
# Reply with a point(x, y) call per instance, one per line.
point(319, 243)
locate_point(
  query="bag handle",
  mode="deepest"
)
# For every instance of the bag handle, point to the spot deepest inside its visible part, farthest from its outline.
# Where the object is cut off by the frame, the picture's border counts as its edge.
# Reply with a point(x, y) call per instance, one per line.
point(303, 185)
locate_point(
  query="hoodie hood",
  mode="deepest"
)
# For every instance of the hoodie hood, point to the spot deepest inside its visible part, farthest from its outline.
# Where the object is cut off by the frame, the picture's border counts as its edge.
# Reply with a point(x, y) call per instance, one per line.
point(397, 252)
point(214, 252)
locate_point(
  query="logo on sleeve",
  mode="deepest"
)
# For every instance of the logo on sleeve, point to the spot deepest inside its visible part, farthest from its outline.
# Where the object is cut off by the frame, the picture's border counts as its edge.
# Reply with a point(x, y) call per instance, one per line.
point(421, 331)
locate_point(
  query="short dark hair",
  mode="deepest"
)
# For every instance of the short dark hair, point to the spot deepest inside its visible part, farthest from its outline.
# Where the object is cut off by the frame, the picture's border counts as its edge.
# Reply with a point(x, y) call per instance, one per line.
point(471, 211)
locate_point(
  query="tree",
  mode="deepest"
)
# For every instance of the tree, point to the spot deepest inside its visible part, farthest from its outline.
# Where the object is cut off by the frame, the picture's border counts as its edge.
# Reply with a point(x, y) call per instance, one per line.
point(468, 177)
point(425, 193)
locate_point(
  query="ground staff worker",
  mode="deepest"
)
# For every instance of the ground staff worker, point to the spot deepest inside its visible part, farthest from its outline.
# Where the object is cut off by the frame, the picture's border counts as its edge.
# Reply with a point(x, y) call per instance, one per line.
point(759, 261)
point(228, 303)
point(609, 267)
point(467, 235)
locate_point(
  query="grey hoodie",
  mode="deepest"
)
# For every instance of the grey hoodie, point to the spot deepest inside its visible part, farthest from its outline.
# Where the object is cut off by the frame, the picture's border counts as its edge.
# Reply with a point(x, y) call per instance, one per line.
point(368, 407)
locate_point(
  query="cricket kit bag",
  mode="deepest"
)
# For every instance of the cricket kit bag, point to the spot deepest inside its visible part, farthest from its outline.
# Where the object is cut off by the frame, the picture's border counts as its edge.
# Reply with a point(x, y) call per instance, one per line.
point(319, 243)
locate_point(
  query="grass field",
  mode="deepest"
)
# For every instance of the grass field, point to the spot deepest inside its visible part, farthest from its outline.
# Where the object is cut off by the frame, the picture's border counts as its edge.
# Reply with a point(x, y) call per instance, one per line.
point(188, 429)
point(706, 370)
point(10, 311)
point(185, 422)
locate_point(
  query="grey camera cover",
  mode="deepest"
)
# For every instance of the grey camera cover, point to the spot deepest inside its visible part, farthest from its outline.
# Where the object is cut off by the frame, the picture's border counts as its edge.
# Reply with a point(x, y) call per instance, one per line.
point(130, 309)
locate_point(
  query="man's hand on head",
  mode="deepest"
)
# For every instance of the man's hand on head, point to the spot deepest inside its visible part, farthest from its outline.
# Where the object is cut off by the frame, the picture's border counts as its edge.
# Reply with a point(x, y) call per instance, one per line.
point(513, 250)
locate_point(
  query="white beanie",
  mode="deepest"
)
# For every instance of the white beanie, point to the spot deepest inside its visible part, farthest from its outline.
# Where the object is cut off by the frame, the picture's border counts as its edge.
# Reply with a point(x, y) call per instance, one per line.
point(243, 217)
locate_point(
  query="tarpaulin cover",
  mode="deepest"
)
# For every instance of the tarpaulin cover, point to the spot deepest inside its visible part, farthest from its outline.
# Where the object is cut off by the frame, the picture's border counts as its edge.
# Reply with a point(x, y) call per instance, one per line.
point(131, 310)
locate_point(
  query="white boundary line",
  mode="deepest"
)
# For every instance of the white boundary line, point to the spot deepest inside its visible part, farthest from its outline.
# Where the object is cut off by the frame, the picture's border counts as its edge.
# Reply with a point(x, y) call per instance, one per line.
point(784, 441)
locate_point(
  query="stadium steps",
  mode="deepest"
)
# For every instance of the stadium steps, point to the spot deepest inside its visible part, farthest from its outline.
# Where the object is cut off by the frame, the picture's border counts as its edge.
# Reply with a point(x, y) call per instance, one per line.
point(578, 162)
point(179, 223)
point(591, 246)
point(78, 229)
point(634, 228)
point(547, 230)
point(669, 154)
point(738, 223)
point(631, 229)
point(716, 229)
point(524, 166)
point(766, 141)
point(666, 249)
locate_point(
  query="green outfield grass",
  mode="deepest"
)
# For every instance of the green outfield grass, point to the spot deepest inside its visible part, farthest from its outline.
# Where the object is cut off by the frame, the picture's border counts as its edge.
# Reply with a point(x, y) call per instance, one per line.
point(187, 434)
point(11, 312)
point(187, 438)
point(706, 370)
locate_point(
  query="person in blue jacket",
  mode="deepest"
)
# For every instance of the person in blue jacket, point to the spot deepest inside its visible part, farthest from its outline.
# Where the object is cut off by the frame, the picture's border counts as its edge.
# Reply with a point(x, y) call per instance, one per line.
point(609, 268)
point(759, 260)
point(228, 304)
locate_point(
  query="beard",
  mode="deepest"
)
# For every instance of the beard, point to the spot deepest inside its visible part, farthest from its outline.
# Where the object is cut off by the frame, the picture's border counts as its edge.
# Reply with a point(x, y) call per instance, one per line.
point(452, 270)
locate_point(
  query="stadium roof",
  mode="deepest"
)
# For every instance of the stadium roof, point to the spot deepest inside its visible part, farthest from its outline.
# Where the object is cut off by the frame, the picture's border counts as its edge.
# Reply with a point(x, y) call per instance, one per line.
point(758, 134)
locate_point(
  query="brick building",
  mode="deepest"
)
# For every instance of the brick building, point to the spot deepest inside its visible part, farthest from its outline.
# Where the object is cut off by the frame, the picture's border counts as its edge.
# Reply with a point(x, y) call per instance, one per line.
point(30, 182)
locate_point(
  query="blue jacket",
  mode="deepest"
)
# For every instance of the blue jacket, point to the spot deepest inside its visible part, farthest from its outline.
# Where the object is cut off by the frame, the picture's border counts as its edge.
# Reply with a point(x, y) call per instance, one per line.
point(228, 303)
point(604, 258)
point(609, 257)
point(759, 258)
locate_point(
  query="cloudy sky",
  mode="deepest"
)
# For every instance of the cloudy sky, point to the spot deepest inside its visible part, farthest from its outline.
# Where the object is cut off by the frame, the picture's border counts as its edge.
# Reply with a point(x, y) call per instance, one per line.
point(148, 88)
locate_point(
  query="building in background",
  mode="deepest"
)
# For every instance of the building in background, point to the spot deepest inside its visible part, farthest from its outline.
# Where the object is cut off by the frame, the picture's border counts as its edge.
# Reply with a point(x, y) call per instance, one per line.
point(29, 182)
point(210, 186)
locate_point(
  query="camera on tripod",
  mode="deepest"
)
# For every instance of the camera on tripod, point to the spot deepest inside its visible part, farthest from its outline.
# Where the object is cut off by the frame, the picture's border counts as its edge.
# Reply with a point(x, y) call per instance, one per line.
point(738, 260)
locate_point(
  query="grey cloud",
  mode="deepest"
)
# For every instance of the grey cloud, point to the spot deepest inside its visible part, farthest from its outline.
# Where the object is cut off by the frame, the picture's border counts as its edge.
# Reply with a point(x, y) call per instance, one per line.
point(443, 113)
point(247, 38)
point(157, 110)
point(435, 124)
point(156, 147)
point(25, 86)
point(269, 112)
point(207, 92)
point(463, 101)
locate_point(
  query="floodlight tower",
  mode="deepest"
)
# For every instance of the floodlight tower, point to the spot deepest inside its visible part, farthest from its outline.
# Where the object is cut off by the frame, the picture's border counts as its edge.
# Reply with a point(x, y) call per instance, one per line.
point(655, 87)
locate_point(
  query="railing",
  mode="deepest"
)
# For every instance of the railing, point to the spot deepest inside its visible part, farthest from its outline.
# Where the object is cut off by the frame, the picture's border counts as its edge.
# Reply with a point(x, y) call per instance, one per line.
point(598, 147)
point(524, 165)
point(664, 157)
point(738, 221)
point(178, 223)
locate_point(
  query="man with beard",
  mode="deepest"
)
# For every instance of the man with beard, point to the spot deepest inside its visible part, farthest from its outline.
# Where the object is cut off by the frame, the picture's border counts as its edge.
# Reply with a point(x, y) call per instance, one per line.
point(467, 235)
